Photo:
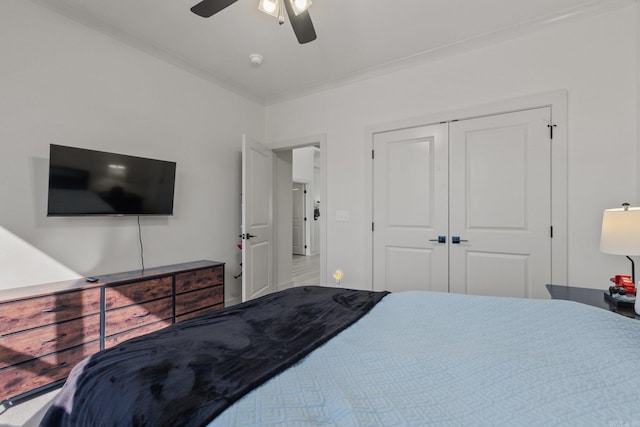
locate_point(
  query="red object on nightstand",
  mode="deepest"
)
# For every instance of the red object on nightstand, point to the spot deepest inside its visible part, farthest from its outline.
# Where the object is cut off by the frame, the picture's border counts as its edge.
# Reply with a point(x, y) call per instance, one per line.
point(625, 283)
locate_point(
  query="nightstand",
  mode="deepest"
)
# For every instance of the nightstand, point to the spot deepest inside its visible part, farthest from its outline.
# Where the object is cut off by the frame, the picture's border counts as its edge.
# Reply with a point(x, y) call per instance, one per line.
point(594, 297)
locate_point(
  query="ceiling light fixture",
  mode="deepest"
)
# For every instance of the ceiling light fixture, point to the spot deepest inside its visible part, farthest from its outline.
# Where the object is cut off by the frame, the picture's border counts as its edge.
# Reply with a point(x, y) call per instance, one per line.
point(300, 6)
point(296, 10)
point(276, 8)
point(269, 6)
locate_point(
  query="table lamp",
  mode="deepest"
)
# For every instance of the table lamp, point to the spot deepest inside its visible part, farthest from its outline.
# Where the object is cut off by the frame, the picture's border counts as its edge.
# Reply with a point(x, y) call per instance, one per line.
point(621, 236)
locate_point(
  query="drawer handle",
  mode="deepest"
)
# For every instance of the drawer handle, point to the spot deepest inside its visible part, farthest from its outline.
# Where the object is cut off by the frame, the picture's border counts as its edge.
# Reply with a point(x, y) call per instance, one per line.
point(139, 292)
point(46, 340)
point(47, 370)
point(54, 309)
point(145, 314)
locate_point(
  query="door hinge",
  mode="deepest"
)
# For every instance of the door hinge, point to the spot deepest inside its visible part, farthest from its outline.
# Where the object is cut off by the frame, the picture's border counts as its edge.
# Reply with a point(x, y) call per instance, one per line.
point(373, 156)
point(551, 231)
point(551, 126)
point(372, 227)
point(305, 218)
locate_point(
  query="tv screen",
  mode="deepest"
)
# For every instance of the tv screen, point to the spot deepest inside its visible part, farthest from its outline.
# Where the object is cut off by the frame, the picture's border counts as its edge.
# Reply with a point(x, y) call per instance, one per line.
point(89, 182)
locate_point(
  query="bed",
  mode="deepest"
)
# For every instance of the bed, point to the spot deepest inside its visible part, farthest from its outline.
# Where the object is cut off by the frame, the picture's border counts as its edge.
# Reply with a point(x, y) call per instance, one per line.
point(342, 357)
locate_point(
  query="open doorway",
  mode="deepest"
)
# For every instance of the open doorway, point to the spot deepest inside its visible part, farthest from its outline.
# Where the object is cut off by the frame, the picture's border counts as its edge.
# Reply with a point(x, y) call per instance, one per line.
point(274, 268)
point(306, 270)
point(306, 216)
point(309, 171)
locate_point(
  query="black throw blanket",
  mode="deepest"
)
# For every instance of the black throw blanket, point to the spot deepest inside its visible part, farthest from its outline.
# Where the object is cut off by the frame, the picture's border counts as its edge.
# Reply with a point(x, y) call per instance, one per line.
point(188, 373)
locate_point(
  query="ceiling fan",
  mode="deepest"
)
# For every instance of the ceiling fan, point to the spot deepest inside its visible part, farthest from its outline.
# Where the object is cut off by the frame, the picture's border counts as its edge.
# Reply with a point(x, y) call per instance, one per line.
point(296, 10)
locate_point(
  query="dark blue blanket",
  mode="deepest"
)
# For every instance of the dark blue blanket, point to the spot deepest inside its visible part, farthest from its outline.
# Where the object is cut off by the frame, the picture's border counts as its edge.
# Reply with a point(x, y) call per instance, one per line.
point(188, 373)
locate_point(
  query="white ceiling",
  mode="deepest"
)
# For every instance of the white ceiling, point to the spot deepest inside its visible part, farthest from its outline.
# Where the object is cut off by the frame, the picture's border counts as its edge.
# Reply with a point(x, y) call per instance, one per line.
point(356, 38)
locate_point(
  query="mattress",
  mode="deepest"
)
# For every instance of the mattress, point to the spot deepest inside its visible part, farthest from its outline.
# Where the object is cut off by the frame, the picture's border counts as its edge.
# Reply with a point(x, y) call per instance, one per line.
point(423, 358)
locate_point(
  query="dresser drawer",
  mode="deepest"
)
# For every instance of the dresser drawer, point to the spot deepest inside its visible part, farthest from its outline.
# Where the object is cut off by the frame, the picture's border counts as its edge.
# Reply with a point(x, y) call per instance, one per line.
point(196, 300)
point(134, 293)
point(123, 319)
point(45, 330)
point(36, 373)
point(196, 313)
point(199, 279)
point(132, 333)
point(35, 312)
point(34, 343)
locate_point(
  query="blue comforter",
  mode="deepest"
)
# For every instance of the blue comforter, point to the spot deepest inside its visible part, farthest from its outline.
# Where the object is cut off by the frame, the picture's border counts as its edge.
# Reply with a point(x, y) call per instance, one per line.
point(186, 374)
point(422, 358)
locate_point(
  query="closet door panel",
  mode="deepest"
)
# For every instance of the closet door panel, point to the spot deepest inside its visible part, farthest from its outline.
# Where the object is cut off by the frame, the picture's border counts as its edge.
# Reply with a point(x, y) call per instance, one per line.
point(500, 204)
point(410, 209)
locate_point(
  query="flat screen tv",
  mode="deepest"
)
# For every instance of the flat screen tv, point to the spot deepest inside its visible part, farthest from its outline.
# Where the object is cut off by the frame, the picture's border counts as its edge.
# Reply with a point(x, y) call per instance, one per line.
point(88, 182)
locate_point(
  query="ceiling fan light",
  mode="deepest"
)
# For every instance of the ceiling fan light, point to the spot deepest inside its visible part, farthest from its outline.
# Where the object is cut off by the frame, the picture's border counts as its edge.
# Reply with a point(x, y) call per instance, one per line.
point(269, 6)
point(299, 6)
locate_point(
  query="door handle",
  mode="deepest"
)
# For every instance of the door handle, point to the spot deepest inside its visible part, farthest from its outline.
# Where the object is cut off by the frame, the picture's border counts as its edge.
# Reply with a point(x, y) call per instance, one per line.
point(440, 239)
point(456, 240)
point(247, 236)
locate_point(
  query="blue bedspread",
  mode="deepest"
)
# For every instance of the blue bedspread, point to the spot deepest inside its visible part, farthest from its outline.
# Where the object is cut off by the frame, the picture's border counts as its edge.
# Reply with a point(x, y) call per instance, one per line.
point(421, 358)
point(188, 373)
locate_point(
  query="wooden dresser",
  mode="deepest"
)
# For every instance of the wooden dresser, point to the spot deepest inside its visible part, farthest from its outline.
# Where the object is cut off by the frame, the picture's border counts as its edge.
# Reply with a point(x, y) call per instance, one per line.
point(45, 330)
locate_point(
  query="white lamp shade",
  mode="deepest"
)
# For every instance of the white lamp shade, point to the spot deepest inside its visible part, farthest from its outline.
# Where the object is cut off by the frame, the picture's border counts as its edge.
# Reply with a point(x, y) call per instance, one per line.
point(620, 231)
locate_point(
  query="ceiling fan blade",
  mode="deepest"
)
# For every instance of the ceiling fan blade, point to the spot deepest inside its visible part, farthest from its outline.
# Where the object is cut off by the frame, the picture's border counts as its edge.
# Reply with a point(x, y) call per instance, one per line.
point(207, 8)
point(302, 25)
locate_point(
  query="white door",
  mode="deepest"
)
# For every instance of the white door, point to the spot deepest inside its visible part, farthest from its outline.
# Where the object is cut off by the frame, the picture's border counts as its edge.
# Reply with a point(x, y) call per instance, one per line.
point(298, 219)
point(500, 204)
point(484, 185)
point(257, 219)
point(410, 209)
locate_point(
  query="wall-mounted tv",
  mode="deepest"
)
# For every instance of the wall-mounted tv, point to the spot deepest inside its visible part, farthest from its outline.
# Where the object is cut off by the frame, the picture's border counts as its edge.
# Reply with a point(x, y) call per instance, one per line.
point(89, 182)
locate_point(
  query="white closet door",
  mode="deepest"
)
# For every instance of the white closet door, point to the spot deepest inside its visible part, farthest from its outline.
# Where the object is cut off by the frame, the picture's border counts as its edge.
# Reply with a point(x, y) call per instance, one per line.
point(410, 209)
point(500, 204)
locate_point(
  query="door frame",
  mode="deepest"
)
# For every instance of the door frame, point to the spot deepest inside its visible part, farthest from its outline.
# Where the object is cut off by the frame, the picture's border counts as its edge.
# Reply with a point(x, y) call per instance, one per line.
point(279, 245)
point(304, 215)
point(558, 102)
